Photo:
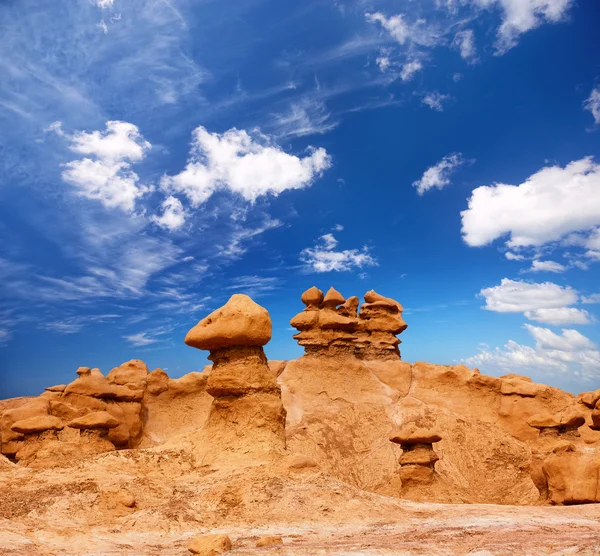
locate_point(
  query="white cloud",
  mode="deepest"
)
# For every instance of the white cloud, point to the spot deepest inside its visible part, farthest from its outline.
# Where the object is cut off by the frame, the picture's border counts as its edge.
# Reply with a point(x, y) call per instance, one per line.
point(513, 296)
point(520, 16)
point(383, 62)
point(435, 100)
point(148, 337)
point(568, 352)
point(549, 205)
point(251, 166)
point(417, 33)
point(514, 256)
point(593, 104)
point(546, 302)
point(594, 298)
point(305, 117)
point(410, 69)
point(324, 258)
point(394, 25)
point(173, 214)
point(547, 266)
point(464, 41)
point(235, 248)
point(439, 174)
point(254, 286)
point(559, 316)
point(107, 177)
point(105, 3)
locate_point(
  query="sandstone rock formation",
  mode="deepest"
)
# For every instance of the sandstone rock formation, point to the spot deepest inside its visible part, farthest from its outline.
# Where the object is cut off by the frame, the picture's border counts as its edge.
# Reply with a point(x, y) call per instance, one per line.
point(247, 416)
point(323, 419)
point(418, 457)
point(331, 325)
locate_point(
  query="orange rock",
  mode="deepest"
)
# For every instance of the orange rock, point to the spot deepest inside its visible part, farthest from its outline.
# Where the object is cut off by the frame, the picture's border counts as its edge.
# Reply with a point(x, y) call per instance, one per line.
point(418, 436)
point(269, 540)
point(38, 424)
point(134, 372)
point(157, 382)
point(332, 299)
point(350, 307)
point(210, 545)
point(542, 421)
point(94, 420)
point(240, 322)
point(573, 477)
point(312, 297)
point(519, 387)
point(57, 388)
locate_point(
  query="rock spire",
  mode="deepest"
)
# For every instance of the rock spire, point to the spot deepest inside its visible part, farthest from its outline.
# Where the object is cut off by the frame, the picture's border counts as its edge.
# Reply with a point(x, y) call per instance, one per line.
point(332, 325)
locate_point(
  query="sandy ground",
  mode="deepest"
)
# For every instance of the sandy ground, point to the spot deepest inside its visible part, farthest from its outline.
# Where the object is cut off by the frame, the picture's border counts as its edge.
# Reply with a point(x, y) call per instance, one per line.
point(427, 529)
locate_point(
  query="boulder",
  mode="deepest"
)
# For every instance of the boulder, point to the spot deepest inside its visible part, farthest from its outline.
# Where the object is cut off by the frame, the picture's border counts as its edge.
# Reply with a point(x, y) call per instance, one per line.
point(94, 420)
point(210, 545)
point(312, 297)
point(240, 322)
point(269, 540)
point(38, 424)
point(332, 299)
point(573, 477)
point(57, 388)
point(157, 382)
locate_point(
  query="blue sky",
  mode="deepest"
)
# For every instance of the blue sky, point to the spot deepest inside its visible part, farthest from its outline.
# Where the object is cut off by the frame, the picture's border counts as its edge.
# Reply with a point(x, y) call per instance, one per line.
point(158, 156)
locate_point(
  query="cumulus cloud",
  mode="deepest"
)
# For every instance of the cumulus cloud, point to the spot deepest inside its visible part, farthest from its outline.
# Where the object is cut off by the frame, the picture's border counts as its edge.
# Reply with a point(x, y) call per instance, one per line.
point(549, 205)
point(324, 257)
point(383, 62)
point(105, 174)
point(520, 16)
point(559, 316)
point(173, 214)
point(439, 174)
point(464, 41)
point(435, 100)
point(594, 298)
point(567, 352)
point(542, 302)
point(410, 69)
point(249, 165)
point(592, 104)
point(547, 266)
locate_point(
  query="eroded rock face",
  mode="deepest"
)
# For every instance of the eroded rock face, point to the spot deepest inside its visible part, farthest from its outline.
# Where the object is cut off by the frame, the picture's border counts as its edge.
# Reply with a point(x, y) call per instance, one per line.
point(90, 415)
point(457, 435)
point(247, 415)
point(573, 476)
point(332, 325)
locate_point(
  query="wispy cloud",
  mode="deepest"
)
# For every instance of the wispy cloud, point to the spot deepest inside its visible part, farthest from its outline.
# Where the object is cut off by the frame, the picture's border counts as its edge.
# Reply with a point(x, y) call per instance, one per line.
point(302, 118)
point(150, 336)
point(592, 104)
point(255, 286)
